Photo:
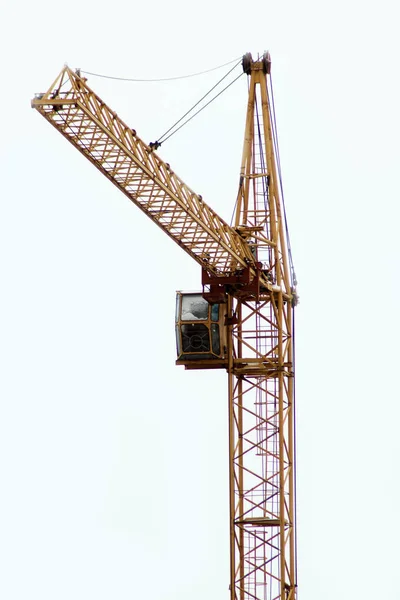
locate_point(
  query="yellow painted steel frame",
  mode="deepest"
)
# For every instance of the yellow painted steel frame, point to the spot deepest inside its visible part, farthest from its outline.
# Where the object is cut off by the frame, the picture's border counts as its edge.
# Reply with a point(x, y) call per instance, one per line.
point(259, 331)
point(261, 412)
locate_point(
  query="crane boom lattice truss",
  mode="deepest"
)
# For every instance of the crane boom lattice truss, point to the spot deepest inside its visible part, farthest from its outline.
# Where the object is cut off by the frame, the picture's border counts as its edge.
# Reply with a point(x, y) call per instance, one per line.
point(259, 319)
point(115, 149)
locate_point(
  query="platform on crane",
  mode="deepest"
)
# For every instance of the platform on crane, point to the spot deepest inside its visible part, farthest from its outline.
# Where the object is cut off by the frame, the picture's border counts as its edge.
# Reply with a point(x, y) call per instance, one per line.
point(200, 332)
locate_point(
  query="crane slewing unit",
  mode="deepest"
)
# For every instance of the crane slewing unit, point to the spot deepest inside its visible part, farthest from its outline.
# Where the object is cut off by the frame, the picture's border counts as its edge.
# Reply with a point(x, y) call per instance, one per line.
point(248, 282)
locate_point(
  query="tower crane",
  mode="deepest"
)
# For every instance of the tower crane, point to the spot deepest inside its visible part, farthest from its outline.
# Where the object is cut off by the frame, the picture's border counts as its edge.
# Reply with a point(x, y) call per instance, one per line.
point(241, 321)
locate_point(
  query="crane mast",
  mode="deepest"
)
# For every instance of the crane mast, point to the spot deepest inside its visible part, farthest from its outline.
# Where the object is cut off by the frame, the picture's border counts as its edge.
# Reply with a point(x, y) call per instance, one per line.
point(261, 425)
point(246, 269)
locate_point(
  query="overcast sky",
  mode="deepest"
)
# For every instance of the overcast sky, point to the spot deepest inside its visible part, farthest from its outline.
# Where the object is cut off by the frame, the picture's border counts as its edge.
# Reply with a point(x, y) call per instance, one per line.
point(113, 461)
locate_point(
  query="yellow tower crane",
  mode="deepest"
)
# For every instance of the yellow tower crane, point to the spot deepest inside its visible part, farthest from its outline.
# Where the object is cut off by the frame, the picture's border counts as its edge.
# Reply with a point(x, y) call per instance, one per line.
point(242, 320)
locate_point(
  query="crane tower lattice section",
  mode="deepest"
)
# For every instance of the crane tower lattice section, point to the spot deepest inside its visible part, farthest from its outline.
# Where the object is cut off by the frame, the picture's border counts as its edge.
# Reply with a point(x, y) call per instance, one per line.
point(263, 552)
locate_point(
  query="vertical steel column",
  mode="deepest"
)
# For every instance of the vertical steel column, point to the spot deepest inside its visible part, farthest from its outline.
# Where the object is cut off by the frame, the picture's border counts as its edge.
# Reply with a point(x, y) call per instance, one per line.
point(261, 416)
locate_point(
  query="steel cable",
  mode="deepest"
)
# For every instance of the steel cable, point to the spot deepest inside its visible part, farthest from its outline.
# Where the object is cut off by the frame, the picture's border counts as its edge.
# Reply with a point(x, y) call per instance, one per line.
point(197, 103)
point(202, 108)
point(276, 145)
point(161, 78)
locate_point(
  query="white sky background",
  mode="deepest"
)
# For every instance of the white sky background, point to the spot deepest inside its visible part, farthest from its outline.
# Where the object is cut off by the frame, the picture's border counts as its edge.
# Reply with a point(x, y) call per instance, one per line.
point(113, 462)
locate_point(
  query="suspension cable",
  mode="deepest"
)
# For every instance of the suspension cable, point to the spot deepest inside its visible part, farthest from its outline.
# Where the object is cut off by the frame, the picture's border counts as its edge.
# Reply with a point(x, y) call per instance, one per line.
point(197, 103)
point(161, 78)
point(276, 146)
point(202, 108)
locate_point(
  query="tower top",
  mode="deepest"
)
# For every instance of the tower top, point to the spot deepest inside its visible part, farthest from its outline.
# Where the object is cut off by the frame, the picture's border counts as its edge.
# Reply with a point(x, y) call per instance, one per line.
point(263, 63)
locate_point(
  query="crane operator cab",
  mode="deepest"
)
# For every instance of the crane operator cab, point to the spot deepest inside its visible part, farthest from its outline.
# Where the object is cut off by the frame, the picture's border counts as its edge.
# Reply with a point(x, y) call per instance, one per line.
point(200, 332)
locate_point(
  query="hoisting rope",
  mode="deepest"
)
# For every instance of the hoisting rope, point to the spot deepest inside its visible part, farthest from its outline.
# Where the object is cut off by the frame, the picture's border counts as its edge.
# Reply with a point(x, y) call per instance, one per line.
point(161, 78)
point(237, 197)
point(294, 445)
point(262, 159)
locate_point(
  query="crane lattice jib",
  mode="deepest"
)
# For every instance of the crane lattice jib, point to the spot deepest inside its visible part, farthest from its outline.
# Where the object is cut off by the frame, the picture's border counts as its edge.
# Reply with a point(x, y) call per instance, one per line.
point(133, 166)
